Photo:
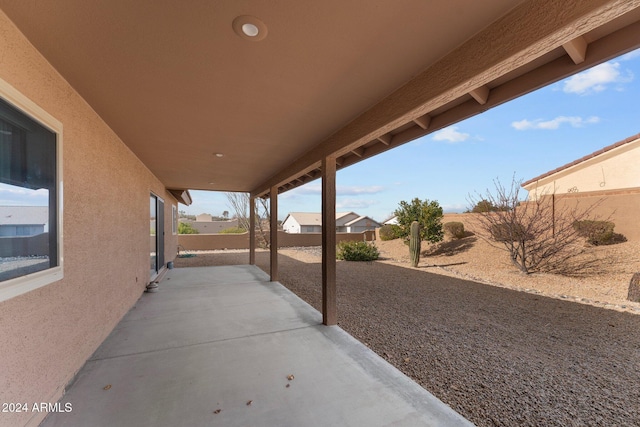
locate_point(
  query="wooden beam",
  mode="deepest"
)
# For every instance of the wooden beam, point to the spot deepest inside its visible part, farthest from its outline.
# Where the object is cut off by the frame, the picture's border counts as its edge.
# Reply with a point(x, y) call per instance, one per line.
point(423, 121)
point(252, 231)
point(577, 49)
point(329, 306)
point(617, 43)
point(480, 94)
point(385, 139)
point(273, 234)
point(358, 151)
point(527, 32)
point(339, 161)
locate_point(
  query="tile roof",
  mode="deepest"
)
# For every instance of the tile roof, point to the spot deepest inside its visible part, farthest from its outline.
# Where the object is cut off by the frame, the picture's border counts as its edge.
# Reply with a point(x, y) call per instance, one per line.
point(360, 218)
point(314, 218)
point(583, 159)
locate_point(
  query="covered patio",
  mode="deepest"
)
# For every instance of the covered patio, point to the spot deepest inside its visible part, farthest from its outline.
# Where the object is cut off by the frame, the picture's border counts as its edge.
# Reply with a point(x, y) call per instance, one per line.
point(217, 346)
point(144, 101)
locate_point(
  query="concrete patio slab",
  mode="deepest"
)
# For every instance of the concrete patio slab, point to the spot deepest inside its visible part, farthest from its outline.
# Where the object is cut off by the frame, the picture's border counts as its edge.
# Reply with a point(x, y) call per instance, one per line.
point(215, 346)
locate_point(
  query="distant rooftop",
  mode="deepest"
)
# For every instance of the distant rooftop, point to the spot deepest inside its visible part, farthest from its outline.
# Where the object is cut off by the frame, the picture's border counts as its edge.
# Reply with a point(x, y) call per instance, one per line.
point(23, 215)
point(314, 218)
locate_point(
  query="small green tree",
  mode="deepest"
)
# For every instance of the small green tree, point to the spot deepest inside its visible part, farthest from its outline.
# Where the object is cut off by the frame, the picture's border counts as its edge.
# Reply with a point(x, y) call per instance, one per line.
point(484, 205)
point(428, 214)
point(186, 228)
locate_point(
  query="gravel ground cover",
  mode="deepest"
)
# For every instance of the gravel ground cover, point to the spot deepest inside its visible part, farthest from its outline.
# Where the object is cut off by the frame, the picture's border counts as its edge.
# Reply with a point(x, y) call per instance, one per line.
point(499, 356)
point(11, 267)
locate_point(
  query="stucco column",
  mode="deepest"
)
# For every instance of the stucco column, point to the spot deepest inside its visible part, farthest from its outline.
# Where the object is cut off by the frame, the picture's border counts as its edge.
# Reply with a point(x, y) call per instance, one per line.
point(329, 309)
point(273, 233)
point(252, 230)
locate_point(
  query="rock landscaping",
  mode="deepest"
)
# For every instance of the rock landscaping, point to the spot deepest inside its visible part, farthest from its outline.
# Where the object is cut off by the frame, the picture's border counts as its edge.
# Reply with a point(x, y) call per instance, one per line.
point(500, 347)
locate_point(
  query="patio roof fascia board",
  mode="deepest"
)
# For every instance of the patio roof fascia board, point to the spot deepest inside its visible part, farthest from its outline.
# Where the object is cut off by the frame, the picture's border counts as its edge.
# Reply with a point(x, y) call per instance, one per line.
point(182, 196)
point(604, 49)
point(527, 32)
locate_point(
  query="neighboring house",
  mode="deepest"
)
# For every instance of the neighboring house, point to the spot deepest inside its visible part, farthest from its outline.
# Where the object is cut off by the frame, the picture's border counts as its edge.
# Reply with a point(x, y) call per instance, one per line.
point(344, 218)
point(607, 179)
point(311, 222)
point(614, 167)
point(302, 222)
point(204, 217)
point(22, 221)
point(360, 224)
point(391, 221)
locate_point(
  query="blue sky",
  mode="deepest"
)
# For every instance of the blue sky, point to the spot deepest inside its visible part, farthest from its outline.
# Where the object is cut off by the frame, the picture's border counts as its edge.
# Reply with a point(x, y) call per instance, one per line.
point(526, 137)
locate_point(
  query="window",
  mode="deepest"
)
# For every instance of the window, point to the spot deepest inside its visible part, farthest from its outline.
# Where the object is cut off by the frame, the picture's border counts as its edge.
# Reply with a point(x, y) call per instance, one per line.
point(30, 223)
point(174, 220)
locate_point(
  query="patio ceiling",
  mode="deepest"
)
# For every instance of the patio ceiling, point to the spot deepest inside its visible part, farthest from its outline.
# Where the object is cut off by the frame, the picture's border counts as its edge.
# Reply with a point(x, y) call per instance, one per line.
point(348, 79)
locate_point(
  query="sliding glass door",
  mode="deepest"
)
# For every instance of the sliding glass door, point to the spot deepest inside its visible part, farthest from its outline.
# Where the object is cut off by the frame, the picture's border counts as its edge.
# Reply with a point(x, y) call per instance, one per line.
point(156, 235)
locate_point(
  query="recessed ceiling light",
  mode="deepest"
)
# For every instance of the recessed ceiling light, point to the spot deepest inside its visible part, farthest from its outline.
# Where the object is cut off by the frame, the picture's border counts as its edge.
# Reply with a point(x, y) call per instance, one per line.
point(249, 28)
point(219, 154)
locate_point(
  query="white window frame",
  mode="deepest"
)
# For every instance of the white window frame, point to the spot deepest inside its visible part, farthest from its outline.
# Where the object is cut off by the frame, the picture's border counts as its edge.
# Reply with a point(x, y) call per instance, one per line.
point(174, 219)
point(23, 284)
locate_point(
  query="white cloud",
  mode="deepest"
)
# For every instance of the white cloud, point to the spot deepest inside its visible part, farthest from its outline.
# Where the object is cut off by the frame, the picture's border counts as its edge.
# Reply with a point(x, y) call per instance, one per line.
point(352, 203)
point(450, 134)
point(18, 196)
point(304, 190)
point(631, 55)
point(341, 190)
point(596, 79)
point(554, 124)
point(357, 190)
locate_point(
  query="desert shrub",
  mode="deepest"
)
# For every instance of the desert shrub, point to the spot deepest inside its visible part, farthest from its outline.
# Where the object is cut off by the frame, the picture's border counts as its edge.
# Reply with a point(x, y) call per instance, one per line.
point(598, 232)
point(357, 251)
point(455, 228)
point(186, 228)
point(388, 232)
point(427, 213)
point(233, 230)
point(538, 236)
point(484, 205)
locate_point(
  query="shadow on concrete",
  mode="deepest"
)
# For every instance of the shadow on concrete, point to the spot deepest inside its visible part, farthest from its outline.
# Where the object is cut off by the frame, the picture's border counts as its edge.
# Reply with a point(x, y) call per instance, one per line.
point(490, 353)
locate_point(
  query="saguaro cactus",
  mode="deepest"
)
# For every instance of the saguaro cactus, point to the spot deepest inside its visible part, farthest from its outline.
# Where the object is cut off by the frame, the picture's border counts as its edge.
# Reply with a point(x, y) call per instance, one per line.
point(414, 243)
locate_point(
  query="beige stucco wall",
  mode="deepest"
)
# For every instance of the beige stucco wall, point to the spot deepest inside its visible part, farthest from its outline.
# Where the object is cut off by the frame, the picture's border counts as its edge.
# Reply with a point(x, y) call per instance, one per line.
point(622, 207)
point(613, 170)
point(204, 242)
point(47, 334)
